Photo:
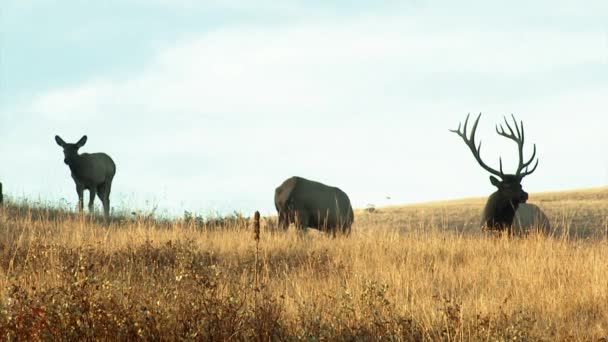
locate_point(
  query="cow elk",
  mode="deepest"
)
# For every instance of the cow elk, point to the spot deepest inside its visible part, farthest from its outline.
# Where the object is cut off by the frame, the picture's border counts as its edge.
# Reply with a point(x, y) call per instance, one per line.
point(307, 203)
point(90, 171)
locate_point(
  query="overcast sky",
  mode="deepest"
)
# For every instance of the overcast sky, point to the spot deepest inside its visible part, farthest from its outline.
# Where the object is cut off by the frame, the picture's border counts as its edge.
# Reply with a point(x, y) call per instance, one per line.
point(209, 105)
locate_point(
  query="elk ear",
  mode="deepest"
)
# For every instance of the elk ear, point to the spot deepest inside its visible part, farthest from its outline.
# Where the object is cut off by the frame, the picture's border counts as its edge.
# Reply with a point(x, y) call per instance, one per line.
point(495, 181)
point(59, 141)
point(82, 141)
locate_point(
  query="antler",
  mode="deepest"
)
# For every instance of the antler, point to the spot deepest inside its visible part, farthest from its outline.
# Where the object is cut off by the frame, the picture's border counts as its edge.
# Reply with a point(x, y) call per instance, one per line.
point(518, 137)
point(470, 142)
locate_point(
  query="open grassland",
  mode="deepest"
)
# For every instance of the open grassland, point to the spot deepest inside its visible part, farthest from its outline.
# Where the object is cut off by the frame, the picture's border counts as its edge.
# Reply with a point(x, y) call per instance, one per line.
point(421, 272)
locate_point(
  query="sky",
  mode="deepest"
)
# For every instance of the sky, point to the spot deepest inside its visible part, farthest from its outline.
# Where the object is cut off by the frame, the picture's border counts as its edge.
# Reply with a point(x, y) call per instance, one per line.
point(207, 106)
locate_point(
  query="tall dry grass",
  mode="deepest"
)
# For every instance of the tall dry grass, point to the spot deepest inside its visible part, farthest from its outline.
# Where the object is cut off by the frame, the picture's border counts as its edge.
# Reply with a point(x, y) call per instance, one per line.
point(421, 272)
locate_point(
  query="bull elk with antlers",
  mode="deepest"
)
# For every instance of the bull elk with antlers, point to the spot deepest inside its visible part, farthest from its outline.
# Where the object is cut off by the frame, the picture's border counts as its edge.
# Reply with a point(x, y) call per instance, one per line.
point(503, 204)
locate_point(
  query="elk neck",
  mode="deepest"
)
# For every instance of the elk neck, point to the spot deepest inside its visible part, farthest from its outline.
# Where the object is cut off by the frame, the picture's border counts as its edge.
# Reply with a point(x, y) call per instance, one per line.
point(75, 163)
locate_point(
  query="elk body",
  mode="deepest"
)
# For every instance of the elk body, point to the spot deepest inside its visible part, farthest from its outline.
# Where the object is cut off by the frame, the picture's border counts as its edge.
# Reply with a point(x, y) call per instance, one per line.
point(312, 204)
point(530, 218)
point(90, 171)
point(503, 204)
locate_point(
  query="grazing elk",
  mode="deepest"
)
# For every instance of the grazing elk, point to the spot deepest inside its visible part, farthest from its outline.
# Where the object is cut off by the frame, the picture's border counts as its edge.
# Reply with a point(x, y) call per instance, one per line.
point(90, 171)
point(312, 204)
point(502, 205)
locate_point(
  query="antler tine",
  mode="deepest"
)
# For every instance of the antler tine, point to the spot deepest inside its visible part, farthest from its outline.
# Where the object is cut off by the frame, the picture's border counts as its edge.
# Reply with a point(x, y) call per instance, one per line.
point(505, 134)
point(517, 128)
point(466, 122)
point(524, 166)
point(470, 142)
point(457, 130)
point(512, 135)
point(518, 135)
point(527, 164)
point(525, 173)
point(500, 162)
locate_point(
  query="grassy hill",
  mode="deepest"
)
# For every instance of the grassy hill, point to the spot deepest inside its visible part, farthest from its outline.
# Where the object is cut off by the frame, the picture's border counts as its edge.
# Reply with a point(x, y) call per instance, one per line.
point(420, 272)
point(575, 213)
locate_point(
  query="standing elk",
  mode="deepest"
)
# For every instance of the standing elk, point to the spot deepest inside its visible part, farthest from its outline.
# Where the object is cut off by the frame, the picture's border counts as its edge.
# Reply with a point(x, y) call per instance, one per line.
point(502, 205)
point(90, 171)
point(312, 204)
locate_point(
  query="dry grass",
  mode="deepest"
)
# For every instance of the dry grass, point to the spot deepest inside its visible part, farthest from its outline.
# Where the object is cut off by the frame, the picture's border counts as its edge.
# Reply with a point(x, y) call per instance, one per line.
point(420, 272)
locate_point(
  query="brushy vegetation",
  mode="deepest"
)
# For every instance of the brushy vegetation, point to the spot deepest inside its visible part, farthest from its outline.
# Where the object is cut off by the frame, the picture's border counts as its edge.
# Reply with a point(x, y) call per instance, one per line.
point(420, 272)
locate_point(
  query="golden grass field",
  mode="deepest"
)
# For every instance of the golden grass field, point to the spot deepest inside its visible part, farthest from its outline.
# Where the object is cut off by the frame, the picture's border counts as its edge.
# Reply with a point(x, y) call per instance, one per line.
point(419, 272)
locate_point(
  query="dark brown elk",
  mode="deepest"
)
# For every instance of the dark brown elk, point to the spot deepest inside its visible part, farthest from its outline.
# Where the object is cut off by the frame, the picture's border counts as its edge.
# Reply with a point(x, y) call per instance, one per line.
point(312, 204)
point(90, 171)
point(502, 205)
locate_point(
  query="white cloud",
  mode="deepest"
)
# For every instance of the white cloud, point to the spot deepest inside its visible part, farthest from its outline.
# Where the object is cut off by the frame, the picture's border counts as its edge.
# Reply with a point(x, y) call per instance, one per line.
point(312, 69)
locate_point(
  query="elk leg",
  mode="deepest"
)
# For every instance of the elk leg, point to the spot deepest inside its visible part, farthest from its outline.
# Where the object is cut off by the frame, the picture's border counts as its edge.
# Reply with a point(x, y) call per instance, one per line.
point(302, 221)
point(91, 199)
point(104, 196)
point(283, 220)
point(80, 192)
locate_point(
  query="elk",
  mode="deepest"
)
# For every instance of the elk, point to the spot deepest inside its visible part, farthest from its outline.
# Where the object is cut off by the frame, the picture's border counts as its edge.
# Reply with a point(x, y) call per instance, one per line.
point(530, 218)
point(503, 204)
point(312, 204)
point(90, 171)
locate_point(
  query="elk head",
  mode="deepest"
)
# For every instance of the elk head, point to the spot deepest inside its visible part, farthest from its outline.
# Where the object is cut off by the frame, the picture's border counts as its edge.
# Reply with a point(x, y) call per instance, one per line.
point(501, 206)
point(70, 151)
